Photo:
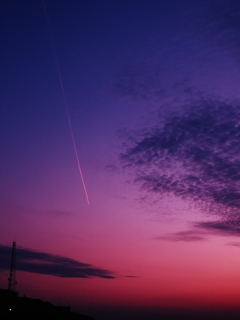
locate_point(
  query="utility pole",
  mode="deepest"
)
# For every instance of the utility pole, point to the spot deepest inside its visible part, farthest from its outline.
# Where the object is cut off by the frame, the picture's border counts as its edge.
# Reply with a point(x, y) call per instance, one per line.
point(11, 280)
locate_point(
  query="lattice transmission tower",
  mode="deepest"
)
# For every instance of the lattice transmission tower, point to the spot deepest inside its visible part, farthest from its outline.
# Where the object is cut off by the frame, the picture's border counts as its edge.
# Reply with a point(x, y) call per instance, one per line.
point(12, 275)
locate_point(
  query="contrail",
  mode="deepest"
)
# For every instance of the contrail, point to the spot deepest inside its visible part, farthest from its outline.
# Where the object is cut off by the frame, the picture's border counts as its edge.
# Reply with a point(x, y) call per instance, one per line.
point(65, 103)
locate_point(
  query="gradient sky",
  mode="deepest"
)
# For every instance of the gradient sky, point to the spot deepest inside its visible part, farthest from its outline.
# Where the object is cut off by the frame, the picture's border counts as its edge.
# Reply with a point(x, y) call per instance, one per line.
point(152, 90)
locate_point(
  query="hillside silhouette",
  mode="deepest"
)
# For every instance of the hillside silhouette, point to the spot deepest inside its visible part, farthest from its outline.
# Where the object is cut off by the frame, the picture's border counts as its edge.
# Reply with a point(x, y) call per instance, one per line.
point(14, 307)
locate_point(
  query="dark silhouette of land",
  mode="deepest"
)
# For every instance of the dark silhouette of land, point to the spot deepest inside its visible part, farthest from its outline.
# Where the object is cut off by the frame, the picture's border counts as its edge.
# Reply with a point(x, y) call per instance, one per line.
point(161, 313)
point(14, 307)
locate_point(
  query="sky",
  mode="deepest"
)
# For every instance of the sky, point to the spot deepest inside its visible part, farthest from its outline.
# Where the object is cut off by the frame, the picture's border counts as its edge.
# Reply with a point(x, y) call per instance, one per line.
point(146, 94)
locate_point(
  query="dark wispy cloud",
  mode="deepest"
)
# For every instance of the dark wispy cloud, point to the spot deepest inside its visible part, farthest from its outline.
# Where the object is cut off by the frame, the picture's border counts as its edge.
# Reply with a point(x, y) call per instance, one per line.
point(45, 263)
point(233, 244)
point(148, 84)
point(224, 227)
point(200, 231)
point(223, 21)
point(187, 236)
point(139, 82)
point(193, 154)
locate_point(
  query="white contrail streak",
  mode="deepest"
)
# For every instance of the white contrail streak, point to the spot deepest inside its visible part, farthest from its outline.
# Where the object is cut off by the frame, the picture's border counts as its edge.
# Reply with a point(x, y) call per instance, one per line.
point(66, 106)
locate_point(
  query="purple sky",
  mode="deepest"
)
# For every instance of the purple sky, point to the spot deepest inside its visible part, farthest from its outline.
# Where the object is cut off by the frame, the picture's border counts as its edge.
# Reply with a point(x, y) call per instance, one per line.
point(152, 91)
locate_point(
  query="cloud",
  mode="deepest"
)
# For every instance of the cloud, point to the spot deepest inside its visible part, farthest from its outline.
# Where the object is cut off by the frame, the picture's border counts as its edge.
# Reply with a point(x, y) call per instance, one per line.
point(200, 231)
point(225, 227)
point(223, 22)
point(138, 82)
point(234, 244)
point(143, 83)
point(193, 154)
point(45, 263)
point(60, 213)
point(187, 236)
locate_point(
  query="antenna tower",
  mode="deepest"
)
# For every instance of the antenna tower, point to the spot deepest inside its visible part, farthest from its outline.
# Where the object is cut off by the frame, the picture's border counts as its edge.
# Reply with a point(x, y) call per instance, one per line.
point(11, 280)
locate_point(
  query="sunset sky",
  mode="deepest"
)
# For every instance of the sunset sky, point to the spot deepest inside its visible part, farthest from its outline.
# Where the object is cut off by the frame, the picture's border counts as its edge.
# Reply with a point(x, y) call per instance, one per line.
point(152, 92)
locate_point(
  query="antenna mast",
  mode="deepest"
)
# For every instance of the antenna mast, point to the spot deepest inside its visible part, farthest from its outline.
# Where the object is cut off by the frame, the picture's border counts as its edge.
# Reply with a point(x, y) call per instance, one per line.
point(11, 280)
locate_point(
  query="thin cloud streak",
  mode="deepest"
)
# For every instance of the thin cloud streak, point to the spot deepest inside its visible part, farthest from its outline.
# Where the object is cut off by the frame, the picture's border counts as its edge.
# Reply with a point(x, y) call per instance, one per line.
point(186, 236)
point(224, 227)
point(200, 231)
point(233, 244)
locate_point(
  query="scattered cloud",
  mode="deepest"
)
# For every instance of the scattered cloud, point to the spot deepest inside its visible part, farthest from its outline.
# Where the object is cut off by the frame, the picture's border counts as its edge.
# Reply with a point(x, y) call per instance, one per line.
point(45, 263)
point(193, 155)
